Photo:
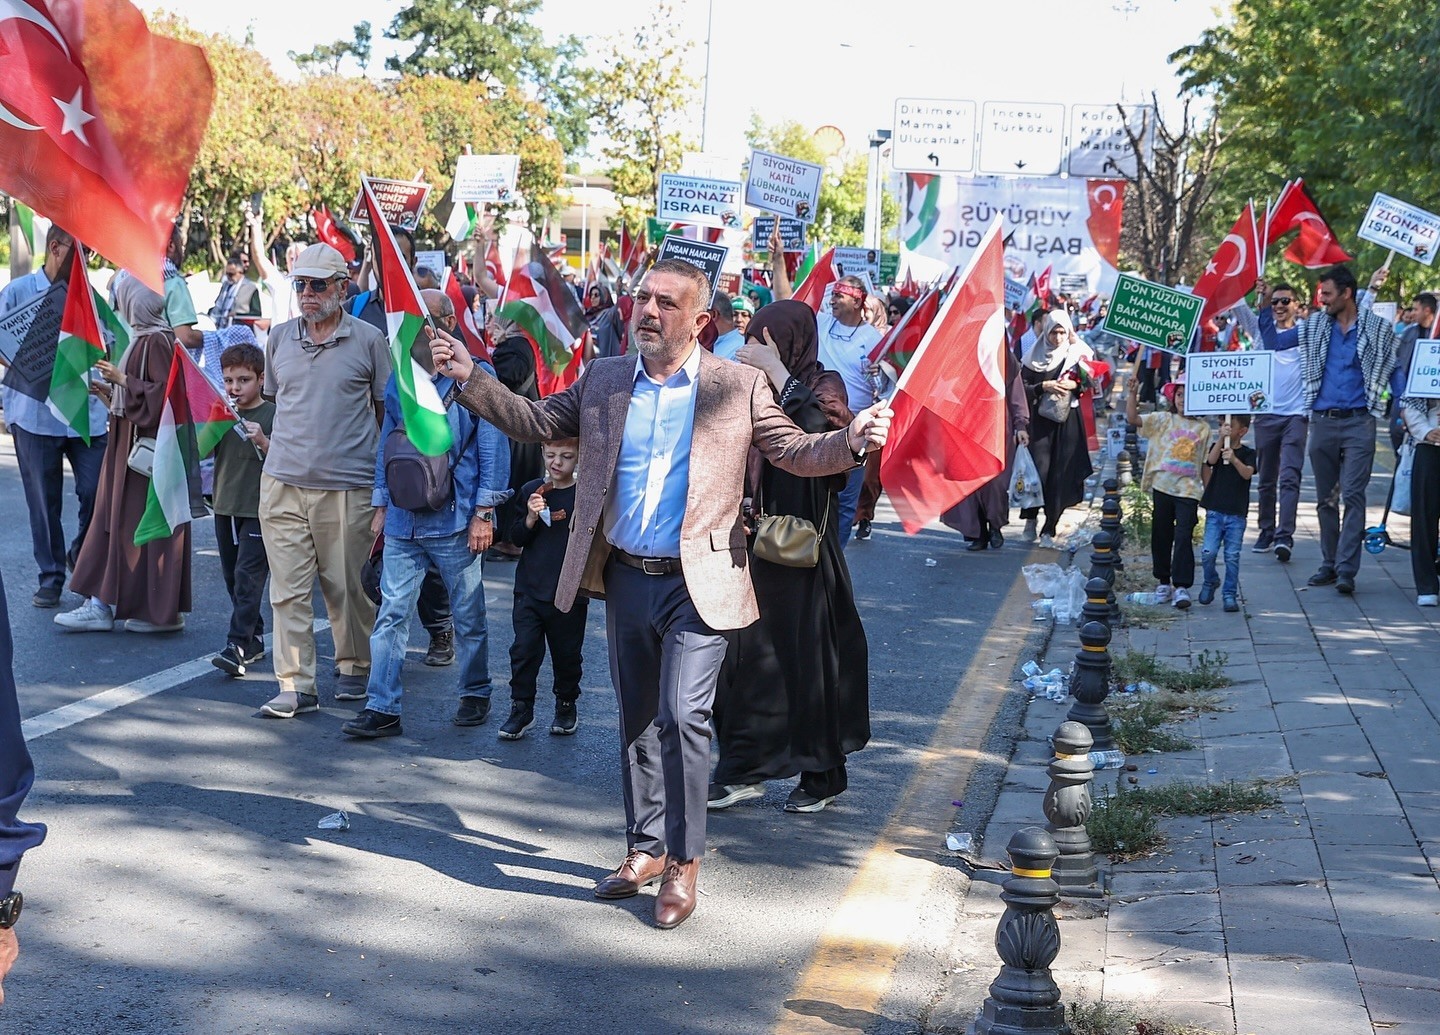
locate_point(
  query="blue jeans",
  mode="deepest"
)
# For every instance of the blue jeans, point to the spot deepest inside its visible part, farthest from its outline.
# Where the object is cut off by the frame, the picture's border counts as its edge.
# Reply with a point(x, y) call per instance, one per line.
point(1225, 531)
point(850, 502)
point(401, 574)
point(42, 475)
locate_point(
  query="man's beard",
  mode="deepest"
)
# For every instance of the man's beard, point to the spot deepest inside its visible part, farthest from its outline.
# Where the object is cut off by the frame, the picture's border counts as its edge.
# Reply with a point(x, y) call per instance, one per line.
point(324, 309)
point(663, 350)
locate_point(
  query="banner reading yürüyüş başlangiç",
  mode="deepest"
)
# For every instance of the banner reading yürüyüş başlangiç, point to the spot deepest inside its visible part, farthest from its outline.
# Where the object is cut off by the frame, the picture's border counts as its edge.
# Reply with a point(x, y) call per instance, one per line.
point(1071, 225)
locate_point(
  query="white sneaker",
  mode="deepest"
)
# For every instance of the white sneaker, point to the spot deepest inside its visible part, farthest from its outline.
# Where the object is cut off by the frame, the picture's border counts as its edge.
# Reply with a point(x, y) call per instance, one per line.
point(1182, 597)
point(88, 617)
point(1029, 530)
point(1046, 542)
point(1427, 600)
point(1163, 594)
point(136, 625)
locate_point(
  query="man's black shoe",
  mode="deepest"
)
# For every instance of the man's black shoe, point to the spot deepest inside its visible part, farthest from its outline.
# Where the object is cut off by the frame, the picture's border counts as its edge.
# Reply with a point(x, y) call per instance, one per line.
point(1282, 552)
point(863, 530)
point(473, 711)
point(1323, 577)
point(442, 649)
point(46, 596)
point(370, 724)
point(522, 717)
point(567, 719)
point(1345, 584)
point(230, 661)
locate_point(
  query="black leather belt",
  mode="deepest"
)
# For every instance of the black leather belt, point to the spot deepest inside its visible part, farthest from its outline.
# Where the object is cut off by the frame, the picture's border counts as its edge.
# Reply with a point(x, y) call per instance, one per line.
point(1339, 414)
point(649, 565)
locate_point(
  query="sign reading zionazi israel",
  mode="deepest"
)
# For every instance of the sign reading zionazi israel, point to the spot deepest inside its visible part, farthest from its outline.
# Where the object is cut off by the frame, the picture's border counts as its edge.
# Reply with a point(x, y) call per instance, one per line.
point(1229, 382)
point(785, 186)
point(698, 201)
point(1404, 229)
point(933, 135)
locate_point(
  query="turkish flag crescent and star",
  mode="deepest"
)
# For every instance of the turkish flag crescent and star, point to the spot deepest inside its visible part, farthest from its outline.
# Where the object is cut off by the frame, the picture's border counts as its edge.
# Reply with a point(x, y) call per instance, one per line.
point(1315, 247)
point(1233, 269)
point(100, 123)
point(947, 438)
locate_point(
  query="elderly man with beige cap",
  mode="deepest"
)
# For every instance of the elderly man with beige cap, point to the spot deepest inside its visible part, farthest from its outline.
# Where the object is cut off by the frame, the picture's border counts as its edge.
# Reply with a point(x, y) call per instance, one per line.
point(326, 373)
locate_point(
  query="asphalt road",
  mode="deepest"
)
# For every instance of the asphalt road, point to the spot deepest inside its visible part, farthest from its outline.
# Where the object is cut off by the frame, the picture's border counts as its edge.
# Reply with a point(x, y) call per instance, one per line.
point(185, 887)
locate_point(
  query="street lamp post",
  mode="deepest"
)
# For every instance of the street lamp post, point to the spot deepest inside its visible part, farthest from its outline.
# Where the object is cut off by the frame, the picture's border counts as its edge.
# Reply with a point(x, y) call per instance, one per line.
point(878, 139)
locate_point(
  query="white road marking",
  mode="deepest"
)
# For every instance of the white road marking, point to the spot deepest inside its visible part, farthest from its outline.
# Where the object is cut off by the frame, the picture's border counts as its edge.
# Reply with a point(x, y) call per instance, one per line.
point(119, 696)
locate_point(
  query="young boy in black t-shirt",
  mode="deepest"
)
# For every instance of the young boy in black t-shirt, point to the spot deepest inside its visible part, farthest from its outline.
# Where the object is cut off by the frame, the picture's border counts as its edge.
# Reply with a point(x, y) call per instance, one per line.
point(1226, 501)
point(543, 532)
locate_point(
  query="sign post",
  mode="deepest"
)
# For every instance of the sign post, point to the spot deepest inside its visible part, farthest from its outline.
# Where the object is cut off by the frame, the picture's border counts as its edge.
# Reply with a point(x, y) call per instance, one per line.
point(1424, 379)
point(710, 258)
point(698, 201)
point(933, 136)
point(482, 178)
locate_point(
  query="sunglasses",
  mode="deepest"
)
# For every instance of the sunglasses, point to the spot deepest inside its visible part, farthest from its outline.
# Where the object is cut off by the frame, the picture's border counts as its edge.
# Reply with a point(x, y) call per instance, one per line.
point(319, 287)
point(1282, 301)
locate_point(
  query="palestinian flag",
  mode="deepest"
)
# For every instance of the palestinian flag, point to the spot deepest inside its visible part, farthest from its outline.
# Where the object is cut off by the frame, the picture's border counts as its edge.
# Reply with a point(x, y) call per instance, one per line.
point(116, 330)
point(33, 230)
point(470, 332)
point(426, 425)
point(462, 222)
point(813, 278)
point(547, 312)
point(922, 208)
point(898, 345)
point(80, 346)
point(194, 419)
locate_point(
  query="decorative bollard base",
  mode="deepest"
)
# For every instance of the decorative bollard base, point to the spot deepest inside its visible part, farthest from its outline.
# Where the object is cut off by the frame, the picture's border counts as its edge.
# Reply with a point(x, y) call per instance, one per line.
point(995, 1019)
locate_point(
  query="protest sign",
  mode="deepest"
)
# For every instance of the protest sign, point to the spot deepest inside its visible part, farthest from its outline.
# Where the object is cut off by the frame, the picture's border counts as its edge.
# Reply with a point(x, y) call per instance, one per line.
point(889, 267)
point(786, 186)
point(1153, 314)
point(792, 233)
point(854, 262)
point(1014, 294)
point(1424, 380)
point(1229, 382)
point(432, 261)
point(730, 284)
point(1387, 311)
point(484, 178)
point(28, 338)
point(710, 258)
point(1404, 229)
point(401, 202)
point(698, 201)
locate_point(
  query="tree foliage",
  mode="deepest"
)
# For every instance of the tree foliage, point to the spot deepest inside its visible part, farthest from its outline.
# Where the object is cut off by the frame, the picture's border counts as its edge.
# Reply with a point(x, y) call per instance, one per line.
point(643, 99)
point(326, 58)
point(1346, 95)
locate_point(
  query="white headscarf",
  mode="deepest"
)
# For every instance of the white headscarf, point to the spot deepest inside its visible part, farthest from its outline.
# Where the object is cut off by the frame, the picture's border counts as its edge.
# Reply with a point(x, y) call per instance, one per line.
point(1043, 355)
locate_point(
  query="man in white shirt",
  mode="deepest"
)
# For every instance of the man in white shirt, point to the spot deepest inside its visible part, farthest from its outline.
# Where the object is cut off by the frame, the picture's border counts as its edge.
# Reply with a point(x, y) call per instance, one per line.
point(846, 342)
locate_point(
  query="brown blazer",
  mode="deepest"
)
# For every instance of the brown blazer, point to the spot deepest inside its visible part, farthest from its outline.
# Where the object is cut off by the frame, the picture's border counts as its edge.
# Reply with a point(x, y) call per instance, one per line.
point(734, 410)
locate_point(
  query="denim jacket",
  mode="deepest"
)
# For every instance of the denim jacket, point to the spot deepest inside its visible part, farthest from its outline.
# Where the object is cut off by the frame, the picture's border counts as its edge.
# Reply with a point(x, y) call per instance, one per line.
point(482, 475)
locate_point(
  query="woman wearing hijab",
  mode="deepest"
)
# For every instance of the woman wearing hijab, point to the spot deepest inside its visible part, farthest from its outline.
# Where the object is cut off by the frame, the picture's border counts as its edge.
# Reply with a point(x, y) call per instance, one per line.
point(1052, 376)
point(147, 586)
point(794, 694)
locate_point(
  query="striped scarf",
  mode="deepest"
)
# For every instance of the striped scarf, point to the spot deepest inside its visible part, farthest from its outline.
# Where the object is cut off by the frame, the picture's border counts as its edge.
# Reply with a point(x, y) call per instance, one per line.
point(1375, 348)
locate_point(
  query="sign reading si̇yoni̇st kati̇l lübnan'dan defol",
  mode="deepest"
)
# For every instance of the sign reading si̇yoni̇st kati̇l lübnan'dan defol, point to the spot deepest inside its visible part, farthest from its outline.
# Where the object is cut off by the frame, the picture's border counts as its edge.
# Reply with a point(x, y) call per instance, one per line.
point(1229, 382)
point(698, 201)
point(785, 186)
point(1404, 229)
point(1153, 314)
point(1424, 379)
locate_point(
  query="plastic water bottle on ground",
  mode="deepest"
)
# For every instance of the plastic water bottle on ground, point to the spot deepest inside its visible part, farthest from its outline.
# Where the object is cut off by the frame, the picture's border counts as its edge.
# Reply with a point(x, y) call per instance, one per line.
point(1108, 759)
point(1142, 598)
point(335, 821)
point(1030, 668)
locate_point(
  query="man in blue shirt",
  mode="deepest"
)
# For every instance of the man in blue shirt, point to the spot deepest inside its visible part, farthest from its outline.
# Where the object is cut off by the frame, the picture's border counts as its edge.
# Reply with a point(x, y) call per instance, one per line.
point(44, 442)
point(729, 337)
point(1347, 363)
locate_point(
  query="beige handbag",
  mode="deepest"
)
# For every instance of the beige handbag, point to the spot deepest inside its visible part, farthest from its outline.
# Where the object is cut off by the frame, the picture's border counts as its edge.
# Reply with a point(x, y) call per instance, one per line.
point(789, 540)
point(142, 456)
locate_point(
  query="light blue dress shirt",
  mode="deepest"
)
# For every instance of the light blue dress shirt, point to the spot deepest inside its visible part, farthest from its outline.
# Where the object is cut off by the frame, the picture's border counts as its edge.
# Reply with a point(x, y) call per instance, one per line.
point(728, 345)
point(652, 476)
point(35, 415)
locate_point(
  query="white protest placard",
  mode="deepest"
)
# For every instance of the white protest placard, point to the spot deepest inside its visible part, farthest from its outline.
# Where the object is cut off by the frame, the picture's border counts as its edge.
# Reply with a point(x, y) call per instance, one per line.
point(432, 261)
point(1229, 382)
point(933, 135)
point(698, 201)
point(485, 177)
point(855, 262)
point(1014, 293)
point(1424, 380)
point(785, 186)
point(1022, 139)
point(1099, 143)
point(1404, 229)
point(1387, 311)
point(710, 258)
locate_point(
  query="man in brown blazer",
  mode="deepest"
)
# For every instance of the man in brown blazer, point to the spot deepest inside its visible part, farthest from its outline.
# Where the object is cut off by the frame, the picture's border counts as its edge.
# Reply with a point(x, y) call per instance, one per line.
point(664, 436)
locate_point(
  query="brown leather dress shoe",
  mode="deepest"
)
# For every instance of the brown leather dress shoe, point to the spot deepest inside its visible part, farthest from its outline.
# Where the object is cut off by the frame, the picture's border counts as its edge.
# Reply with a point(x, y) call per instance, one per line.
point(638, 870)
point(676, 900)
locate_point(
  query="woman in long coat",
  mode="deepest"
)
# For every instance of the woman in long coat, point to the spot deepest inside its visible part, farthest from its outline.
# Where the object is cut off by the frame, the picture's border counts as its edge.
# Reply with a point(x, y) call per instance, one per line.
point(1053, 369)
point(147, 585)
point(794, 695)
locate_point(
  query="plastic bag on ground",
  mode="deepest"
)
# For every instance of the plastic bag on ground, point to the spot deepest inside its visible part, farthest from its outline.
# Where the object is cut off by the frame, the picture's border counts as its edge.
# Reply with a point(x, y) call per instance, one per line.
point(1044, 580)
point(1073, 593)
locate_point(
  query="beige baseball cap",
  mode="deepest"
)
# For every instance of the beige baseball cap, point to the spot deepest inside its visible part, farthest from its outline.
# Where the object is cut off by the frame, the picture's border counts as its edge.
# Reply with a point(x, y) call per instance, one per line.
point(319, 260)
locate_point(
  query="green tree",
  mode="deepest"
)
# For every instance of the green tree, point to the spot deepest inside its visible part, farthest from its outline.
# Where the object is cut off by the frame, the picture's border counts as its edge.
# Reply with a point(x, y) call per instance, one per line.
point(1346, 95)
point(643, 99)
point(326, 58)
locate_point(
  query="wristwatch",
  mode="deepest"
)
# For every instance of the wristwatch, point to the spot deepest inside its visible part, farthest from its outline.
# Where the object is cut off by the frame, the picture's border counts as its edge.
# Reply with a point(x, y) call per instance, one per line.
point(10, 910)
point(484, 514)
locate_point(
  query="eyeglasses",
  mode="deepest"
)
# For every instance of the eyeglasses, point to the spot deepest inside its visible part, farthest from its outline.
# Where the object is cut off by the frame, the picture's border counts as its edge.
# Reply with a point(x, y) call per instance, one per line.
point(319, 287)
point(1282, 301)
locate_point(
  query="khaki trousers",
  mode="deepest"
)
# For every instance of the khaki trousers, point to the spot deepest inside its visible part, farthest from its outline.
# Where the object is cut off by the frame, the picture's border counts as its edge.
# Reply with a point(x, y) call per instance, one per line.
point(312, 533)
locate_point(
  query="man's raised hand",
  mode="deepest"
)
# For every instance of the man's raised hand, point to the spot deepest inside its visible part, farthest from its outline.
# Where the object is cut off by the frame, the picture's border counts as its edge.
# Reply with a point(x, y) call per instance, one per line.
point(870, 428)
point(450, 357)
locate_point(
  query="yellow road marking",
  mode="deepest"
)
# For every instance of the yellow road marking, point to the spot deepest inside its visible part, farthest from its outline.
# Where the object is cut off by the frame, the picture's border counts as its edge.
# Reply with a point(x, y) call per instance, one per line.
point(855, 960)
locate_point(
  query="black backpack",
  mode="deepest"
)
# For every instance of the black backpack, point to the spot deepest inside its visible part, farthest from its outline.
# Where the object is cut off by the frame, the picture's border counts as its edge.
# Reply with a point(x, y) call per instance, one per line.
point(418, 482)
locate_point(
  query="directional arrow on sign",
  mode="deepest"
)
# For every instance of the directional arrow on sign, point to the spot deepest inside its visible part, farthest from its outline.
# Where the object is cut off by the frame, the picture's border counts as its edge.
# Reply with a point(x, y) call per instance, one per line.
point(934, 159)
point(1020, 163)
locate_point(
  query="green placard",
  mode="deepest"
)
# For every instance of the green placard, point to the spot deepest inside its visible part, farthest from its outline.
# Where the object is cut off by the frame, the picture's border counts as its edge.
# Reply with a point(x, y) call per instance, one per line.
point(889, 267)
point(1153, 314)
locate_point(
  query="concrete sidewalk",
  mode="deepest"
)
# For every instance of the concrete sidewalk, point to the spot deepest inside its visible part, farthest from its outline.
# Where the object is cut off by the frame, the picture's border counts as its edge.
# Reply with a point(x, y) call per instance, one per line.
point(1322, 914)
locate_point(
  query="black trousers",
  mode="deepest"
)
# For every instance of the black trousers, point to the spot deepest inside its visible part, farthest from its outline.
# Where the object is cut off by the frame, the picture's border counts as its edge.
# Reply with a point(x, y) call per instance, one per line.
point(246, 567)
point(434, 604)
point(1425, 519)
point(1172, 539)
point(538, 623)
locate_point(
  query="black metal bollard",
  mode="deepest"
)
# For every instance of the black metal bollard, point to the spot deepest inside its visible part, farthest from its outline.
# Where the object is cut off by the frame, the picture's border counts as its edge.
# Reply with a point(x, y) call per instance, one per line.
point(1024, 997)
point(1098, 597)
point(1102, 566)
point(1091, 685)
point(1067, 805)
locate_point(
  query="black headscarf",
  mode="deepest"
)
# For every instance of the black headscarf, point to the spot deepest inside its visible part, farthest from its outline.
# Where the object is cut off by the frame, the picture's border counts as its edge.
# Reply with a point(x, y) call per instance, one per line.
point(792, 327)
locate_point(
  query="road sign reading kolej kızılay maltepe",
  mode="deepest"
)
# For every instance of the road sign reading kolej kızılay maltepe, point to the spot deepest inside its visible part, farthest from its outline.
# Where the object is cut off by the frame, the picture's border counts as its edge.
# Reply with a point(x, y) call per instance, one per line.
point(1018, 138)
